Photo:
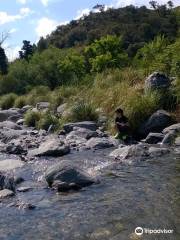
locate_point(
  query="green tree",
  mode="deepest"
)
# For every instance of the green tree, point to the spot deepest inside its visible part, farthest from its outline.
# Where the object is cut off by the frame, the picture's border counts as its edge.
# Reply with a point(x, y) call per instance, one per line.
point(3, 62)
point(26, 50)
point(42, 44)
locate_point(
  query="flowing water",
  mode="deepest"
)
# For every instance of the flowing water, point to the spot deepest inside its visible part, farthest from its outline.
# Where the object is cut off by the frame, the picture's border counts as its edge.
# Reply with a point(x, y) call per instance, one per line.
point(144, 194)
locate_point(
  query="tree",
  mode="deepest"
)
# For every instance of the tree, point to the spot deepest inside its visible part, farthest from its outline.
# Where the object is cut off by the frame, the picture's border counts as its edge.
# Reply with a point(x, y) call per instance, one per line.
point(153, 4)
point(3, 62)
point(26, 50)
point(170, 4)
point(99, 7)
point(42, 44)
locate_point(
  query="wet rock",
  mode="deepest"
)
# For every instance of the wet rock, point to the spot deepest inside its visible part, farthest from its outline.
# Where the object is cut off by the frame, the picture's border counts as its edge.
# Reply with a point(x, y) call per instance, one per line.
point(174, 127)
point(134, 151)
point(82, 133)
point(61, 186)
point(156, 123)
point(6, 182)
point(68, 173)
point(5, 193)
point(18, 180)
point(10, 164)
point(9, 125)
point(154, 138)
point(15, 117)
point(20, 121)
point(157, 151)
point(100, 143)
point(86, 124)
point(25, 206)
point(177, 141)
point(157, 81)
point(16, 149)
point(24, 189)
point(169, 138)
point(51, 147)
point(5, 114)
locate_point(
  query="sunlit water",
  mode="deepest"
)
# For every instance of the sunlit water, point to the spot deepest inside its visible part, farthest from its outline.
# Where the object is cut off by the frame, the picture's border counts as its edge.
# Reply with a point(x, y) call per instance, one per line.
point(144, 194)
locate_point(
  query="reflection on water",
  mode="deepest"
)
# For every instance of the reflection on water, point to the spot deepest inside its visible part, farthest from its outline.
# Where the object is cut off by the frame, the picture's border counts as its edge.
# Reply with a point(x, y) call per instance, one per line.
point(145, 194)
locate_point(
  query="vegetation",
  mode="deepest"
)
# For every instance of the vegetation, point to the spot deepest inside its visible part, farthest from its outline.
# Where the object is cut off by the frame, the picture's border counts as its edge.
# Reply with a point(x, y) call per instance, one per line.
point(99, 61)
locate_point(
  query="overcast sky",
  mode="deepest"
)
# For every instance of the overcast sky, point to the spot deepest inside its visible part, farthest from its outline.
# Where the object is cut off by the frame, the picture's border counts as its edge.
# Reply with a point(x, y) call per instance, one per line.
point(30, 19)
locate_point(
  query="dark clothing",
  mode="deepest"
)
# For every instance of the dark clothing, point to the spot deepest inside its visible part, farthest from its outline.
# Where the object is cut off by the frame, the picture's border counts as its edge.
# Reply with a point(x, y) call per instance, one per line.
point(123, 120)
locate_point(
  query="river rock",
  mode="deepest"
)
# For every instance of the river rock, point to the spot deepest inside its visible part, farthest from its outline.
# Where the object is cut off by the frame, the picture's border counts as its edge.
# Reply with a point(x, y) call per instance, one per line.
point(24, 109)
point(100, 143)
point(174, 127)
point(154, 138)
point(9, 125)
point(157, 151)
point(169, 138)
point(5, 114)
point(177, 141)
point(6, 193)
point(15, 117)
point(20, 121)
point(43, 106)
point(86, 124)
point(156, 123)
point(67, 172)
point(16, 149)
point(52, 147)
point(60, 109)
point(82, 133)
point(157, 81)
point(6, 182)
point(10, 134)
point(134, 151)
point(10, 164)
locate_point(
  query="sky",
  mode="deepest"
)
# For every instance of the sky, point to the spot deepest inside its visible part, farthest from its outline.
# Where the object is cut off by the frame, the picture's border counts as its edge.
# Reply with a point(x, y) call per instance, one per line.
point(31, 19)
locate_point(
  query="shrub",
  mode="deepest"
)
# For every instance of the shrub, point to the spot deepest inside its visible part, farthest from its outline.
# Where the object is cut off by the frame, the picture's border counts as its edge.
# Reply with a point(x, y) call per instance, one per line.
point(20, 101)
point(46, 120)
point(38, 94)
point(7, 101)
point(83, 111)
point(31, 118)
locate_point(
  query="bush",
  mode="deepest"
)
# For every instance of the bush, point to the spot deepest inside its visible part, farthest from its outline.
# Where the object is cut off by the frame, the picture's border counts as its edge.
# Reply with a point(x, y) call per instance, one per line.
point(20, 101)
point(31, 118)
point(38, 94)
point(7, 101)
point(83, 111)
point(46, 121)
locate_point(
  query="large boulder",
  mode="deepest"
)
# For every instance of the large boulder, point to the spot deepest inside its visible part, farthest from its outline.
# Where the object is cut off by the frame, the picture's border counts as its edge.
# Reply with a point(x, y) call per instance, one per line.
point(10, 164)
point(10, 125)
point(156, 123)
point(67, 172)
point(157, 81)
point(6, 114)
point(82, 133)
point(51, 147)
point(174, 127)
point(85, 124)
point(10, 134)
point(6, 193)
point(101, 143)
point(154, 138)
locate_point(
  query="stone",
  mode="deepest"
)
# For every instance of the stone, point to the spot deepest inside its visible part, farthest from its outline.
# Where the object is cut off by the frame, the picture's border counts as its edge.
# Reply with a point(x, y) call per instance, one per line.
point(154, 138)
point(86, 124)
point(67, 172)
point(18, 180)
point(6, 182)
point(15, 117)
point(42, 106)
point(5, 193)
point(23, 189)
point(16, 149)
point(20, 121)
point(157, 151)
point(52, 147)
point(82, 133)
point(177, 141)
point(10, 164)
point(9, 125)
point(134, 151)
point(5, 114)
point(10, 134)
point(174, 127)
point(157, 81)
point(156, 123)
point(100, 143)
point(169, 138)
point(60, 110)
point(26, 108)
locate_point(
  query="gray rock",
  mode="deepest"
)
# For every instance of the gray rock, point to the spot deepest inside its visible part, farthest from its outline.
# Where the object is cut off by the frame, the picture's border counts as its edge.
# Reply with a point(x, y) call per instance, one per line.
point(169, 138)
point(154, 138)
point(156, 123)
point(10, 134)
point(16, 149)
point(25, 109)
point(157, 81)
point(15, 117)
point(6, 182)
point(60, 110)
point(174, 127)
point(10, 164)
point(20, 121)
point(134, 151)
point(9, 125)
point(157, 151)
point(177, 141)
point(86, 124)
point(67, 172)
point(5, 114)
point(23, 189)
point(5, 193)
point(82, 133)
point(51, 147)
point(43, 106)
point(100, 143)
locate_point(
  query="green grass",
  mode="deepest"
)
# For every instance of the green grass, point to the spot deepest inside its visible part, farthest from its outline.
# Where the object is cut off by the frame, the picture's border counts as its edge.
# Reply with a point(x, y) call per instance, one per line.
point(31, 118)
point(7, 101)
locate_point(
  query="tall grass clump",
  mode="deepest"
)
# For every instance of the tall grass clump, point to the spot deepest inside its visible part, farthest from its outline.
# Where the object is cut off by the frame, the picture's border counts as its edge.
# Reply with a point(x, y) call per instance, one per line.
point(7, 101)
point(83, 111)
point(20, 101)
point(31, 118)
point(38, 94)
point(46, 120)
